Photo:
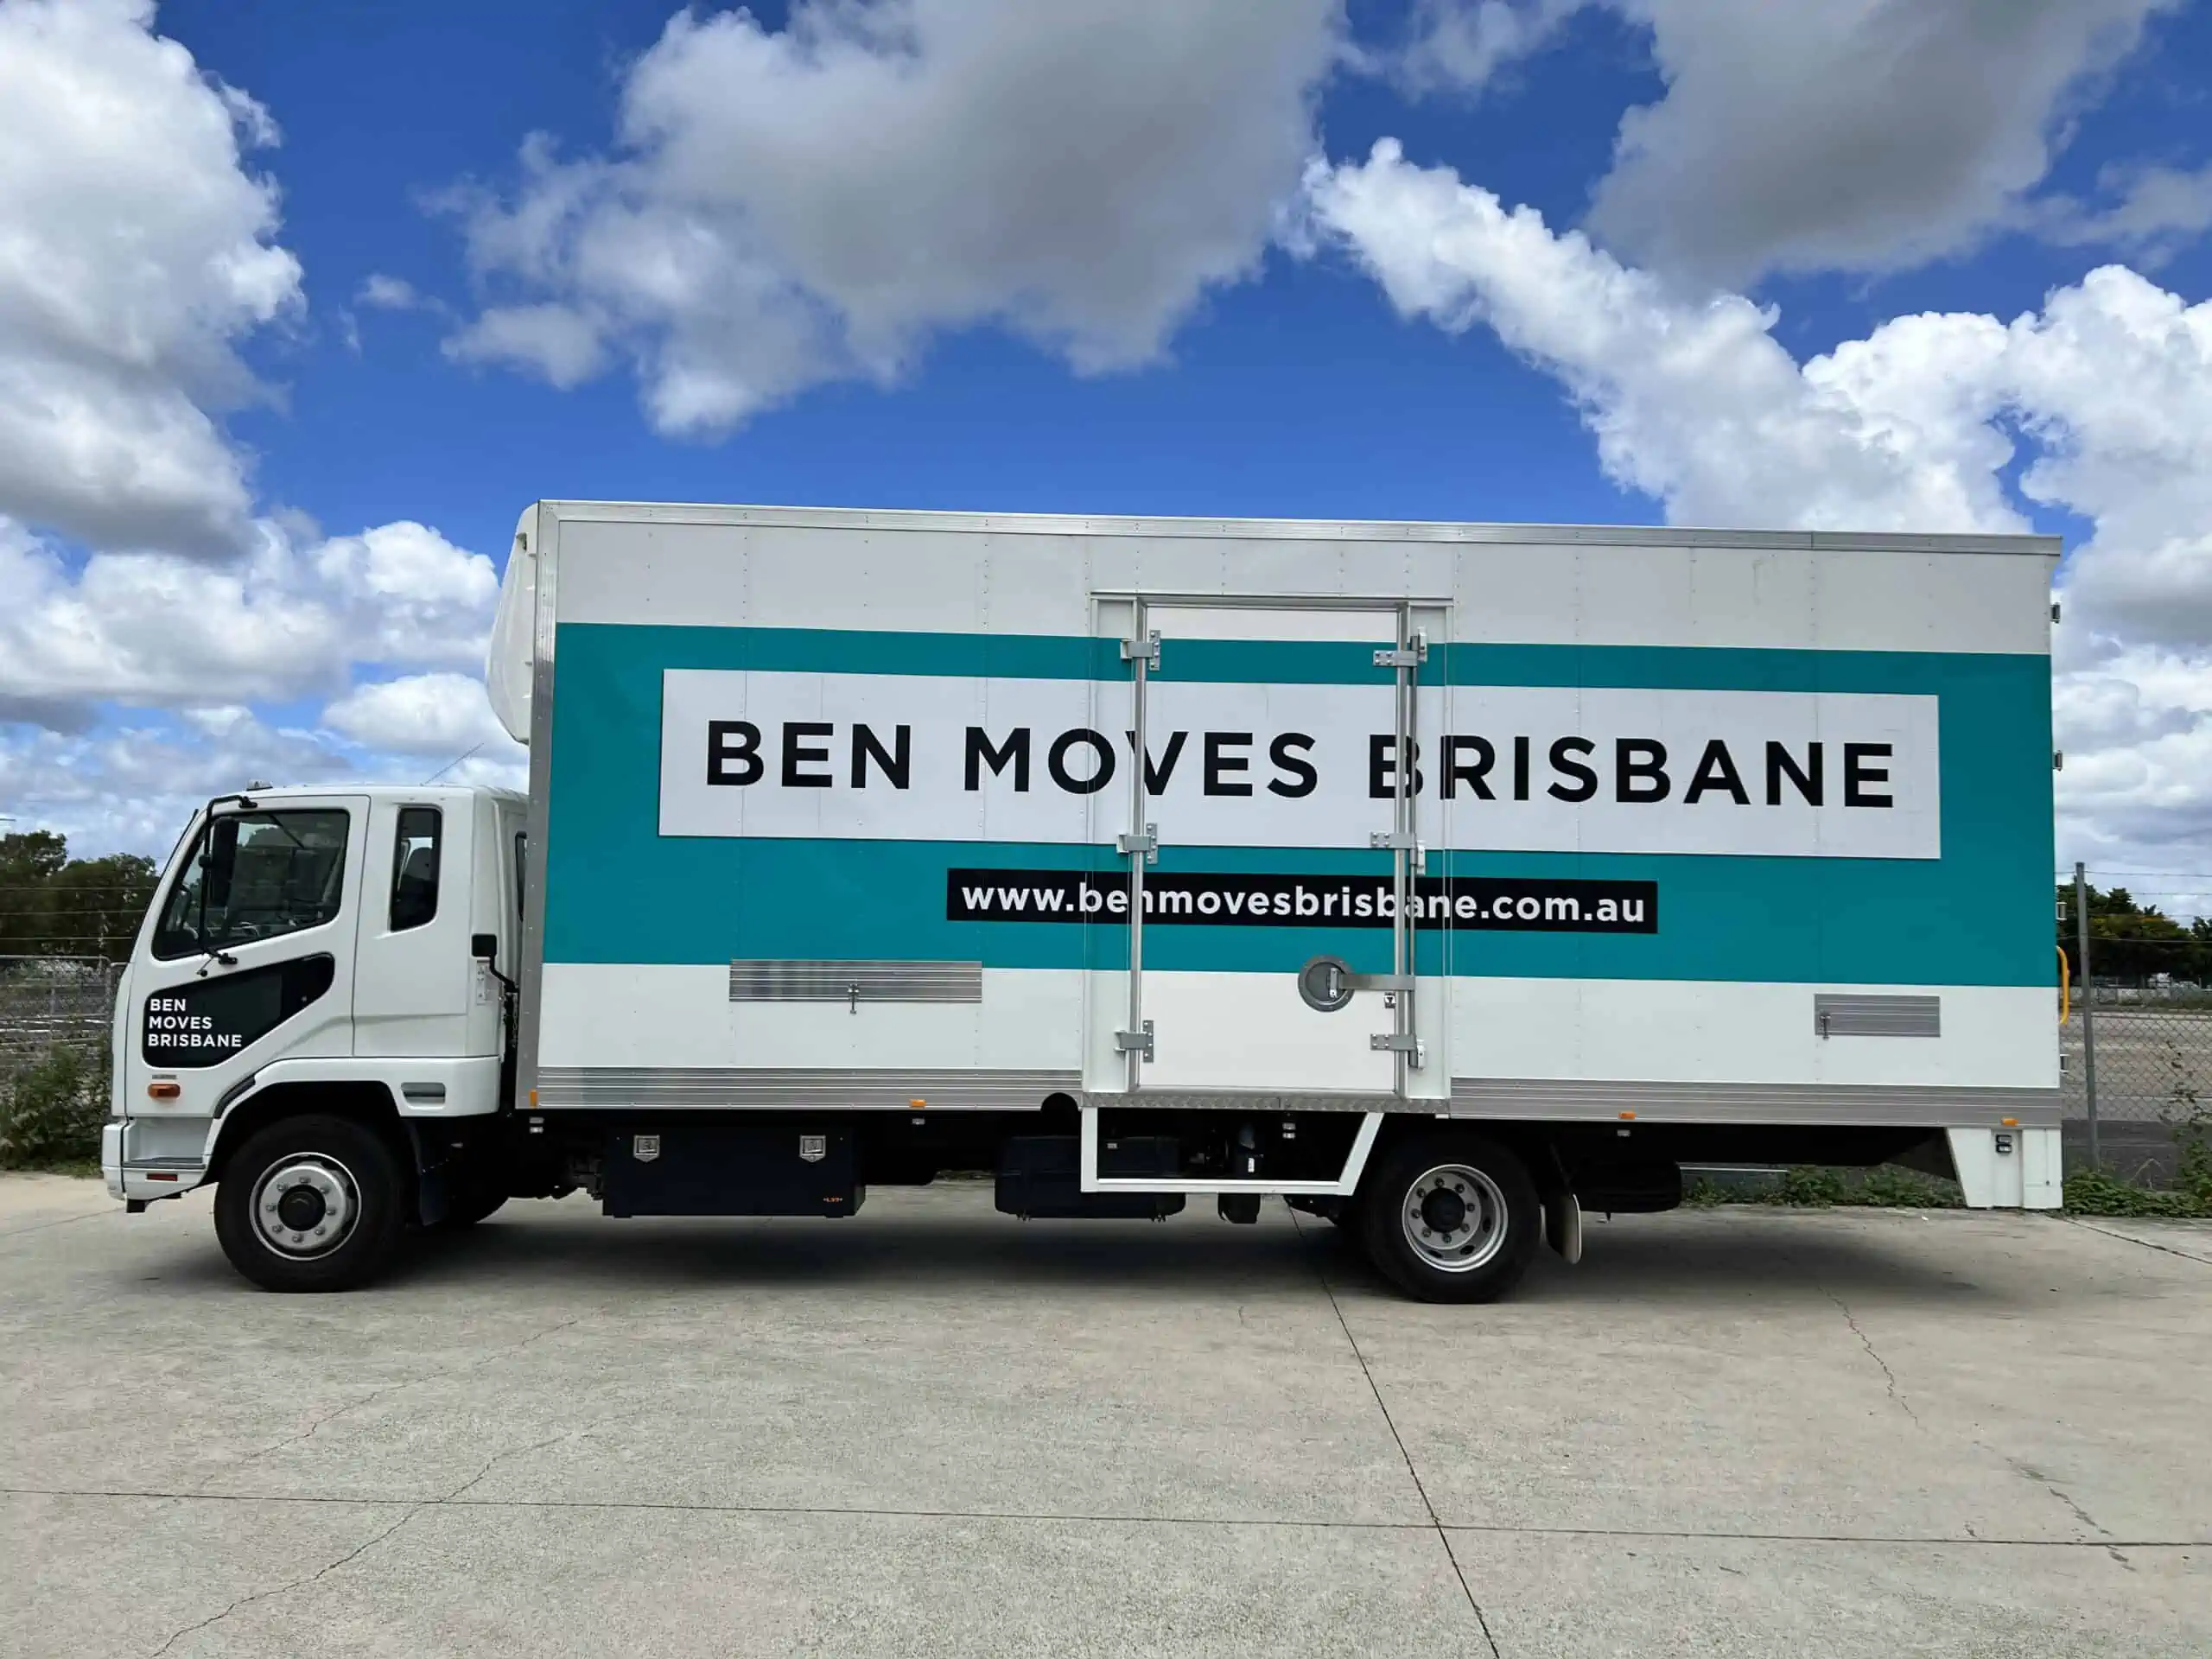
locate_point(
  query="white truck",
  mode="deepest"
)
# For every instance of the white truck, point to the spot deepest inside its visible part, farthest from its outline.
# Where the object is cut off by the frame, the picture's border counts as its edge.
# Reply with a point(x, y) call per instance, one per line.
point(1445, 881)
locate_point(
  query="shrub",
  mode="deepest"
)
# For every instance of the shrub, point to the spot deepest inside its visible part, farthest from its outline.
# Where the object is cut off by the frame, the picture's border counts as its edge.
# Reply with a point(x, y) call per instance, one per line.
point(1812, 1187)
point(52, 1111)
point(2100, 1192)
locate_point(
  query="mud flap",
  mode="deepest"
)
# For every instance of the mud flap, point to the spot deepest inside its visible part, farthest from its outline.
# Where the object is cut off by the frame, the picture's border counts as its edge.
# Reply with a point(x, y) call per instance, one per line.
point(1563, 1225)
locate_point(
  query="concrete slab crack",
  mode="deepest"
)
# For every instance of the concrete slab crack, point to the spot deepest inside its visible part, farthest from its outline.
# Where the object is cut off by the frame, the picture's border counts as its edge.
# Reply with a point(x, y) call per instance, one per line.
point(409, 1514)
point(300, 1583)
point(1889, 1376)
point(2129, 1238)
point(1382, 1405)
point(374, 1394)
point(2110, 1545)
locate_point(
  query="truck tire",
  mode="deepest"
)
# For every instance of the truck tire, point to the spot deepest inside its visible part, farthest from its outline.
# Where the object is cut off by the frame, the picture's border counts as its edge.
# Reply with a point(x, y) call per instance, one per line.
point(312, 1203)
point(1449, 1216)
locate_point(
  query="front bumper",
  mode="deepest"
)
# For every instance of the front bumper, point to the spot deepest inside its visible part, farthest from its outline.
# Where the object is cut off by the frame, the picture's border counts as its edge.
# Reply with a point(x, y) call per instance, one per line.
point(146, 1158)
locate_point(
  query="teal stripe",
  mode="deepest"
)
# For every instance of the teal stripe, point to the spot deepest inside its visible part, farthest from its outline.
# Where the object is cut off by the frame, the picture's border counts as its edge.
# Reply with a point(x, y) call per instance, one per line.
point(1980, 915)
point(1293, 662)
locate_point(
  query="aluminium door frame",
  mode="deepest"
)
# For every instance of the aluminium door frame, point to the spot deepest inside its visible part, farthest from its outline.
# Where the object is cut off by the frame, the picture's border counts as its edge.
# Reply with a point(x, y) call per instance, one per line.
point(1140, 841)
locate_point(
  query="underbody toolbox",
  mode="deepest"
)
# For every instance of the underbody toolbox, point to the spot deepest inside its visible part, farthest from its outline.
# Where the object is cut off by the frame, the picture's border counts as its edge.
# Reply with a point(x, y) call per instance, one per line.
point(1040, 1177)
point(736, 1169)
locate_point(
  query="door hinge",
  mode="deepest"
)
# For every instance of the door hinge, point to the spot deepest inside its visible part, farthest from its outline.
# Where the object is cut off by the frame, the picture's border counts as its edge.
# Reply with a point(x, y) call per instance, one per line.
point(1401, 841)
point(1145, 650)
point(1147, 843)
point(1412, 656)
point(1401, 1042)
point(1136, 1042)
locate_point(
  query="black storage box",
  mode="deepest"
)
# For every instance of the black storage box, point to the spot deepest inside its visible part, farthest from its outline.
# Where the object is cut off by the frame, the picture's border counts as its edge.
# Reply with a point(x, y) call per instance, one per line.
point(1040, 1177)
point(1629, 1189)
point(729, 1169)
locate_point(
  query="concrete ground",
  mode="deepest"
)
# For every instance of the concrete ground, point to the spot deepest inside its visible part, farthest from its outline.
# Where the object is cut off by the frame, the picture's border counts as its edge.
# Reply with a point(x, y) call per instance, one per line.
point(935, 1430)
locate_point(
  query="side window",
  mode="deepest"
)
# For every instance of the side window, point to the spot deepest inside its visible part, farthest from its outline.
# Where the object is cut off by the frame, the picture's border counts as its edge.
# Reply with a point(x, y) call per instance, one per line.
point(415, 867)
point(254, 875)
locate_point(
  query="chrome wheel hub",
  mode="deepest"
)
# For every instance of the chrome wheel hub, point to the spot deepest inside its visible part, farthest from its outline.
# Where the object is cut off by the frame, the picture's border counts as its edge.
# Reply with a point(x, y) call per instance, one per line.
point(1454, 1218)
point(306, 1205)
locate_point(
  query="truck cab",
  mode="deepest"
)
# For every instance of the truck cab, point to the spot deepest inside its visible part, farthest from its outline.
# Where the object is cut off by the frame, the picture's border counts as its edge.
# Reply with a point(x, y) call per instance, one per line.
point(319, 999)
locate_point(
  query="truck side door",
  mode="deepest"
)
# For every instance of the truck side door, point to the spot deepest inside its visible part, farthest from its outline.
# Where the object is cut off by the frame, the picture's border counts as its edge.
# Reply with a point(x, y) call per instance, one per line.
point(250, 954)
point(413, 991)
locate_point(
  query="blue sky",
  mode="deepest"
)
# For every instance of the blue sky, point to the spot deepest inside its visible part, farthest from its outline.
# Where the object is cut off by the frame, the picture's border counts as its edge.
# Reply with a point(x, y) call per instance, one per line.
point(1297, 394)
point(1292, 375)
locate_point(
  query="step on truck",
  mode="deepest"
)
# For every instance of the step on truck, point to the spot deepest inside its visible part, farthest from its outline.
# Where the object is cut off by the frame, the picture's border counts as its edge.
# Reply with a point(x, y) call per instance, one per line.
point(1447, 881)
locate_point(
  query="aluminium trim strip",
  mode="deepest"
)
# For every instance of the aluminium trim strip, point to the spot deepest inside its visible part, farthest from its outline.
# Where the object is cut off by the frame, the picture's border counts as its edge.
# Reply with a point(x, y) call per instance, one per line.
point(810, 1088)
point(1042, 523)
point(545, 526)
point(1858, 1105)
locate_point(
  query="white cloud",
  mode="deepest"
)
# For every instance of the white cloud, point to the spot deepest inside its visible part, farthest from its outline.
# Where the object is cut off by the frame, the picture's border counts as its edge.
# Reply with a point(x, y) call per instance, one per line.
point(444, 714)
point(145, 609)
point(1463, 44)
point(135, 251)
point(130, 784)
point(790, 206)
point(1854, 135)
point(2158, 209)
point(282, 622)
point(1849, 134)
point(387, 293)
point(1692, 400)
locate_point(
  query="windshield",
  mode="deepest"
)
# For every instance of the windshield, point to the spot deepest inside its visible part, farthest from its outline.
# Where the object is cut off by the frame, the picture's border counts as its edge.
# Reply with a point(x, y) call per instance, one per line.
point(255, 875)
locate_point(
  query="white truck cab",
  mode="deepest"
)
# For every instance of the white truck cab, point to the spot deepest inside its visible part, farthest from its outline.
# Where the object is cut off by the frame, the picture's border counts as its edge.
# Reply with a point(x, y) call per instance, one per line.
point(317, 955)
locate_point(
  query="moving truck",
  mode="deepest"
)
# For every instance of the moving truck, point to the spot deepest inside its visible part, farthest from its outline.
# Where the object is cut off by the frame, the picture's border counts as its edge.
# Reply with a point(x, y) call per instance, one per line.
point(1447, 881)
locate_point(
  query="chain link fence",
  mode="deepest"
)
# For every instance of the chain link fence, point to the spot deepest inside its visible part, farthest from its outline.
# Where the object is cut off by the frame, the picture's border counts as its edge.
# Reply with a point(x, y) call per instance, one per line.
point(2138, 1033)
point(55, 1014)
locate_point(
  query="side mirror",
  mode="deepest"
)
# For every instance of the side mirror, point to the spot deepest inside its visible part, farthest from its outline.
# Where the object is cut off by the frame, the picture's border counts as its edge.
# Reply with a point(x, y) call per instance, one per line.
point(218, 861)
point(485, 947)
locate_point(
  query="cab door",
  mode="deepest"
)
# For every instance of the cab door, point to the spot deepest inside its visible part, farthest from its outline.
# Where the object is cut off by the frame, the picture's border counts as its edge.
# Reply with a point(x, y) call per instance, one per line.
point(250, 953)
point(416, 985)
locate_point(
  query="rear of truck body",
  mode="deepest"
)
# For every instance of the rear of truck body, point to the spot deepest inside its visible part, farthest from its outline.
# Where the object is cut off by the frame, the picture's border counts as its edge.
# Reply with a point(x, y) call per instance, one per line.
point(1141, 859)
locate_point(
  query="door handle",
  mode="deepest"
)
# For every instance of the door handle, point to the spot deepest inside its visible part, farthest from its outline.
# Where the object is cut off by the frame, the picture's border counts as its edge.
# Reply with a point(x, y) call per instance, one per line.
point(1327, 984)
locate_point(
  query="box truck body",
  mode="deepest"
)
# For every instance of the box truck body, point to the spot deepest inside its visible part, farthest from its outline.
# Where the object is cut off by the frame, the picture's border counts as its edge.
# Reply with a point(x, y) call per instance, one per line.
point(1144, 858)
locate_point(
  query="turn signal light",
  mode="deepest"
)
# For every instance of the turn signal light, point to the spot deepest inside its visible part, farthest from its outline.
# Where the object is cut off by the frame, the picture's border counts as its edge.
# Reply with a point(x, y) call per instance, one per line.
point(163, 1090)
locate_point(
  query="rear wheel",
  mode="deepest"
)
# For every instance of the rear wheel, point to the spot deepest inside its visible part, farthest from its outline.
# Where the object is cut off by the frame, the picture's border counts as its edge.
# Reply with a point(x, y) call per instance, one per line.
point(311, 1203)
point(1450, 1216)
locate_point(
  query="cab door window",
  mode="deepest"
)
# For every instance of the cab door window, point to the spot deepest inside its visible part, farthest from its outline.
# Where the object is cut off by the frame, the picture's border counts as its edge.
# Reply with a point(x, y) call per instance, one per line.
point(415, 854)
point(255, 875)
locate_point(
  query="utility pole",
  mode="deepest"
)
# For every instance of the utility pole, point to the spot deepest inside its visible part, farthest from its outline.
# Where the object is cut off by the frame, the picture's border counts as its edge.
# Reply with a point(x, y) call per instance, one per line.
point(2089, 1013)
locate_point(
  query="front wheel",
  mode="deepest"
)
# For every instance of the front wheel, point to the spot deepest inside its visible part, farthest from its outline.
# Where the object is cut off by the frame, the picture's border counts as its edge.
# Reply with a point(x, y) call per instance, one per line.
point(1450, 1216)
point(311, 1203)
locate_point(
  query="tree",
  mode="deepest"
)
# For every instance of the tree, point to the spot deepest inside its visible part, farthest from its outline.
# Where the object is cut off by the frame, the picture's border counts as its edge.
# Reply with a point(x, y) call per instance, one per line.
point(54, 906)
point(2133, 942)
